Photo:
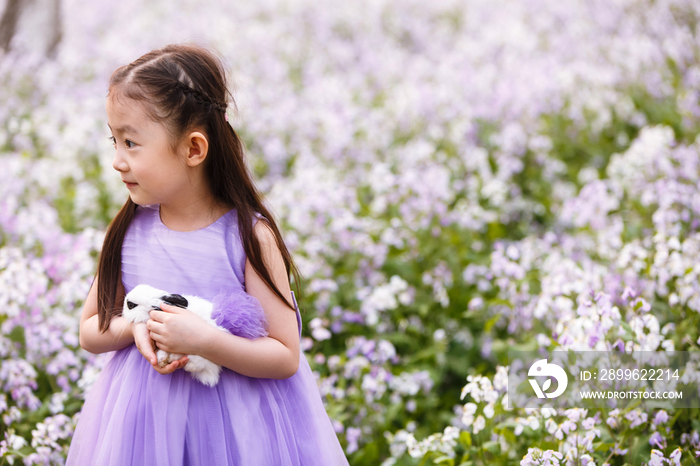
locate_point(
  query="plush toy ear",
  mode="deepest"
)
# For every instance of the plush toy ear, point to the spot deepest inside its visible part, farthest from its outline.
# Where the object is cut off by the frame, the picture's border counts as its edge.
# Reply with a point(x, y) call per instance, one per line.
point(175, 300)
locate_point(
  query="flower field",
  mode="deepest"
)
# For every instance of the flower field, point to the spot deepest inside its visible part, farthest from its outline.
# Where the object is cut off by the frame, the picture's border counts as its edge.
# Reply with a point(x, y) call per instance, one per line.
point(454, 179)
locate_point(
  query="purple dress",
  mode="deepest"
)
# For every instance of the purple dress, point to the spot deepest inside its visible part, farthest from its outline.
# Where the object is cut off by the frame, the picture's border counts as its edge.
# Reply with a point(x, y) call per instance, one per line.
point(135, 416)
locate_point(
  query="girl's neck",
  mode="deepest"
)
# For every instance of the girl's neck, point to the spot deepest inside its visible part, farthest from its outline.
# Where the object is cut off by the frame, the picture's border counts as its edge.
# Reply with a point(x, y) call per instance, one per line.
point(193, 215)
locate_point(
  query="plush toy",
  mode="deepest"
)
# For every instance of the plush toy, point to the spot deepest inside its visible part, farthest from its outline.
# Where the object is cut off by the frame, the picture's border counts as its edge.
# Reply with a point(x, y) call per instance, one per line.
point(236, 312)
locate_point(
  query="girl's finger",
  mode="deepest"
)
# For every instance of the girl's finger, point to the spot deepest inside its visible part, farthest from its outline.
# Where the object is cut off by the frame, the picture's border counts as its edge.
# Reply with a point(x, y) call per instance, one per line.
point(151, 357)
point(157, 316)
point(172, 367)
point(164, 347)
point(147, 351)
point(156, 337)
point(167, 369)
point(154, 326)
point(171, 309)
point(175, 365)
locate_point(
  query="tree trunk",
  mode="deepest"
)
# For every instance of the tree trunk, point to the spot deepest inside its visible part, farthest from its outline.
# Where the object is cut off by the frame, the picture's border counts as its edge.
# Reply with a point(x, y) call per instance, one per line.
point(8, 23)
point(57, 30)
point(36, 24)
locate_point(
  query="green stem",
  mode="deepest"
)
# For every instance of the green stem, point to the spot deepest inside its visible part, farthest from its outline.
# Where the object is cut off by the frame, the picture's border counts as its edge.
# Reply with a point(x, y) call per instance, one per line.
point(54, 386)
point(613, 452)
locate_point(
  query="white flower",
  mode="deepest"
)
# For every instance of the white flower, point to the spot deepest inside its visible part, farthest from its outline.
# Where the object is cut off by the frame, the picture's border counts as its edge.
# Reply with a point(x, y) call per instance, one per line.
point(439, 335)
point(56, 404)
point(657, 458)
point(489, 411)
point(533, 422)
point(675, 457)
point(468, 414)
point(479, 424)
point(500, 379)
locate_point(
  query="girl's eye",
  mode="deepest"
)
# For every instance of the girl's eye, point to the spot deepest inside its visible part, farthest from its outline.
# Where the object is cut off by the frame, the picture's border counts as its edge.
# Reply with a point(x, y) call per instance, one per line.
point(129, 144)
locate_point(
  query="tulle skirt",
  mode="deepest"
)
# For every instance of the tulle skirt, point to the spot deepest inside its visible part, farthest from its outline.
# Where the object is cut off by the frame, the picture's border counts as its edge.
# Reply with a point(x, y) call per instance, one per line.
point(135, 416)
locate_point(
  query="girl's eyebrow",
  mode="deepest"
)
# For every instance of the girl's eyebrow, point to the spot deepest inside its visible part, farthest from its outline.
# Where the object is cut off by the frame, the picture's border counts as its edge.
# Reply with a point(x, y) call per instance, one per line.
point(124, 129)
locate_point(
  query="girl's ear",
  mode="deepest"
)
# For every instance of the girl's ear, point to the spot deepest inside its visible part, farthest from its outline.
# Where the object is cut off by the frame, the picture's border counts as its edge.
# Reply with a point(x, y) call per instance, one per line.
point(196, 147)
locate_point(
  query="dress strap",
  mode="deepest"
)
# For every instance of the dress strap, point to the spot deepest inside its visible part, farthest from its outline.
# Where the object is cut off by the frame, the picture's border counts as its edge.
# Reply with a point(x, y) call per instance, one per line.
point(296, 307)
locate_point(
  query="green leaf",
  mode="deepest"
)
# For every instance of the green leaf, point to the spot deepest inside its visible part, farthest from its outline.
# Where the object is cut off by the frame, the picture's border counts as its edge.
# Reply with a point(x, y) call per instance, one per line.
point(426, 353)
point(491, 322)
point(465, 438)
point(603, 446)
point(17, 335)
point(444, 460)
point(492, 447)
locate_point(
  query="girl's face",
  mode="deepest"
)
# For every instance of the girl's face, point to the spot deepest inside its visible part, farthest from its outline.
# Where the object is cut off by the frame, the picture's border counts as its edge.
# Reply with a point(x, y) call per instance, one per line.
point(153, 173)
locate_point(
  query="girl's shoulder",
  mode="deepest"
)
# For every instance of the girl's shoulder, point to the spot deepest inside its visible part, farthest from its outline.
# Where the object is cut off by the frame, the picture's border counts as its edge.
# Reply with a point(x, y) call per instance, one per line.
point(231, 218)
point(257, 216)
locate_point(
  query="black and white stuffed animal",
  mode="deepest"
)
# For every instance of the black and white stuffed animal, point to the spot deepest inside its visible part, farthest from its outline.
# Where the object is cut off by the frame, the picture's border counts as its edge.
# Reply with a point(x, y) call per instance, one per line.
point(237, 313)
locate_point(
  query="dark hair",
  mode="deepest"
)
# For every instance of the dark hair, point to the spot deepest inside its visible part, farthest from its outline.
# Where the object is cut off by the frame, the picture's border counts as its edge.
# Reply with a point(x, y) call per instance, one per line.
point(185, 86)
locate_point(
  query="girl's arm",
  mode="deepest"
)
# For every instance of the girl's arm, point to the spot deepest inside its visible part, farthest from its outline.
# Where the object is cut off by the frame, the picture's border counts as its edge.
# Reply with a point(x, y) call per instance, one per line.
point(119, 335)
point(277, 355)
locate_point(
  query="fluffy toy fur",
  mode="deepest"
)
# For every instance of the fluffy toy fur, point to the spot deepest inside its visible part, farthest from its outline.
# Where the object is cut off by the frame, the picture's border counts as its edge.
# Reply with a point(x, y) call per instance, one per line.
point(237, 312)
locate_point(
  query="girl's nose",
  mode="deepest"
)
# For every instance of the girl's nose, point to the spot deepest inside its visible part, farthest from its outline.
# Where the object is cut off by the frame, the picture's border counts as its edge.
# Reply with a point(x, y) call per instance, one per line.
point(119, 164)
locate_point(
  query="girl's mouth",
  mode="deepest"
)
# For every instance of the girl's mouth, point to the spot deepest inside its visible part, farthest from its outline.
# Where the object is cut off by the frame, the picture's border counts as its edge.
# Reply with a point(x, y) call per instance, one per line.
point(130, 185)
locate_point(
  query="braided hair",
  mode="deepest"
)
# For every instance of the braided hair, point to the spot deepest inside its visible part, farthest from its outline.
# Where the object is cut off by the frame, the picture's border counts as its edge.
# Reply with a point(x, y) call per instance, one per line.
point(200, 97)
point(184, 87)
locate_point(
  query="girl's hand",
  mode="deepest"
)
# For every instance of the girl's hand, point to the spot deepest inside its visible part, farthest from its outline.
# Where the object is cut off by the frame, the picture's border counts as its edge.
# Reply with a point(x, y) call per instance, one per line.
point(146, 347)
point(178, 330)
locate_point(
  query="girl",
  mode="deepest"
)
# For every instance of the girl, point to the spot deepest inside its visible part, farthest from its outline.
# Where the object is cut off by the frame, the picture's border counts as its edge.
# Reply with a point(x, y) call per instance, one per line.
point(194, 224)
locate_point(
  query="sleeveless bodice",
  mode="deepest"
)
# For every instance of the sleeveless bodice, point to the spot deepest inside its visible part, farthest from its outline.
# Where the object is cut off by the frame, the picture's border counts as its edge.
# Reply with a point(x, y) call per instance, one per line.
point(201, 262)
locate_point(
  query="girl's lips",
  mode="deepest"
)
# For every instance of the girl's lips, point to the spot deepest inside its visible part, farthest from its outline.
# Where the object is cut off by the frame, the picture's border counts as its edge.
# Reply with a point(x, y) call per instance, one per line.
point(130, 185)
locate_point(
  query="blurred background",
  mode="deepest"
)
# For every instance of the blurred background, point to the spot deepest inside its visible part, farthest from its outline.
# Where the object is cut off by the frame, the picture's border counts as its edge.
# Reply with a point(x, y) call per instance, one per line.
point(453, 178)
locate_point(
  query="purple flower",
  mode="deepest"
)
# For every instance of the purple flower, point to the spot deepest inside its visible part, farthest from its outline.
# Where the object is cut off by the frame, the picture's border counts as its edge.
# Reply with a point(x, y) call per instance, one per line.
point(656, 440)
